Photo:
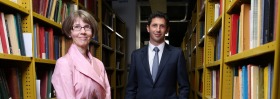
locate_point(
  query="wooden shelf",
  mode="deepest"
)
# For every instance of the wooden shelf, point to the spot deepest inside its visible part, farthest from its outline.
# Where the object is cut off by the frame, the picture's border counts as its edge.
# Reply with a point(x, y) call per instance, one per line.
point(190, 37)
point(209, 97)
point(95, 42)
point(108, 27)
point(120, 53)
point(107, 47)
point(15, 57)
point(45, 61)
point(194, 49)
point(234, 7)
point(120, 36)
point(213, 64)
point(202, 14)
point(109, 68)
point(199, 67)
point(194, 28)
point(258, 51)
point(199, 93)
point(12, 5)
point(201, 41)
point(216, 26)
point(46, 20)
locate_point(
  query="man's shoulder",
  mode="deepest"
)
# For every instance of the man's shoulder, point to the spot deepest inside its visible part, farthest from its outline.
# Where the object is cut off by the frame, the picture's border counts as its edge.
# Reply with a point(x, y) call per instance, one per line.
point(173, 48)
point(137, 51)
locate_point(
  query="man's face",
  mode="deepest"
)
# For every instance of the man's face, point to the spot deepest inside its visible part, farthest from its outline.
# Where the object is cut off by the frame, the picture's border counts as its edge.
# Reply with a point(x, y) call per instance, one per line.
point(157, 30)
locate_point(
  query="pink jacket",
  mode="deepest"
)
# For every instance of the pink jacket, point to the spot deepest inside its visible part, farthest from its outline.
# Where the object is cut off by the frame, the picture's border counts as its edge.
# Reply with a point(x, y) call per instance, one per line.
point(75, 78)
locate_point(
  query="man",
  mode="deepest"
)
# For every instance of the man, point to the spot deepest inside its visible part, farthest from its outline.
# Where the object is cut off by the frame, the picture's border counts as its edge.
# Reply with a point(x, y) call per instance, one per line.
point(156, 69)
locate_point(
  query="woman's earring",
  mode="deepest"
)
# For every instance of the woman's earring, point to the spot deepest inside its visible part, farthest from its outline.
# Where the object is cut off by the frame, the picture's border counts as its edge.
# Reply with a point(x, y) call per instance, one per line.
point(69, 36)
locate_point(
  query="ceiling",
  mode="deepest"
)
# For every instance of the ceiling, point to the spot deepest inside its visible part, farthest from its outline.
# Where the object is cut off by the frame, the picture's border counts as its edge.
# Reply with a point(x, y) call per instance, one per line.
point(179, 13)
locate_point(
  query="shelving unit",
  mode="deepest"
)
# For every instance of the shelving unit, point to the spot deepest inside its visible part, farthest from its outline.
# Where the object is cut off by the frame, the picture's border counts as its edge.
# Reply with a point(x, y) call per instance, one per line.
point(218, 57)
point(194, 50)
point(36, 66)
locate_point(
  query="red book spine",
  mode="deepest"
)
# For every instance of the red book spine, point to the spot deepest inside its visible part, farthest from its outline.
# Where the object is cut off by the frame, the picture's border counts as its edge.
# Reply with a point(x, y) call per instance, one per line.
point(234, 33)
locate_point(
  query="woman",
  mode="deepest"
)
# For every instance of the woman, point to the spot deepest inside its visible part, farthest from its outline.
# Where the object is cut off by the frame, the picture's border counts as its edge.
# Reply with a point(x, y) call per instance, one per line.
point(79, 75)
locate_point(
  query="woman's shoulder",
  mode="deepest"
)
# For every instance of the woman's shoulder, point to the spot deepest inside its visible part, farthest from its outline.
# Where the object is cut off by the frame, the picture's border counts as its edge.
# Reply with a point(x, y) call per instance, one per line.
point(97, 60)
point(99, 63)
point(64, 60)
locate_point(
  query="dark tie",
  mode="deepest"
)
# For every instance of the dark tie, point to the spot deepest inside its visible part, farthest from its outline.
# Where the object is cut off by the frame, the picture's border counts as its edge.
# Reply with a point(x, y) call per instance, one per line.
point(155, 64)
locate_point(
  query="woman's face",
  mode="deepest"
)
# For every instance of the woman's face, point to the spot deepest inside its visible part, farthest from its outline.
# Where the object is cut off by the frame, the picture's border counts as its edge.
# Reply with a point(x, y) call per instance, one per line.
point(81, 33)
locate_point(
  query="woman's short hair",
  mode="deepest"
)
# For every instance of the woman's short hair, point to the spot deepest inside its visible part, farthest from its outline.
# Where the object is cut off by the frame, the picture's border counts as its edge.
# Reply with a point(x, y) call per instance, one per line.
point(67, 24)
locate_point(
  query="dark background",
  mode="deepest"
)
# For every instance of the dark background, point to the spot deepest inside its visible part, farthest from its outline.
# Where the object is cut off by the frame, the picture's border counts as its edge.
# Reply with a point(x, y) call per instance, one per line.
point(179, 13)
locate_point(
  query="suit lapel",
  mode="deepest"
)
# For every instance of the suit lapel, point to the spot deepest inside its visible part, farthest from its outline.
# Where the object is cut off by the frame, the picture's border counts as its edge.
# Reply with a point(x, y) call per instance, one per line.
point(164, 59)
point(145, 61)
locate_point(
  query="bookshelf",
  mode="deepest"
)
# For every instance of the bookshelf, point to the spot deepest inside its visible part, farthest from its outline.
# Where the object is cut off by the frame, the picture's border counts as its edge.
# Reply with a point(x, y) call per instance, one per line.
point(198, 40)
point(241, 54)
point(109, 48)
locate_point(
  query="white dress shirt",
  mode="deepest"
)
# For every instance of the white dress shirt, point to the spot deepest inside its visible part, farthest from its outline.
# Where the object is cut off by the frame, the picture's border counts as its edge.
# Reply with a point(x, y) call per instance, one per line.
point(151, 53)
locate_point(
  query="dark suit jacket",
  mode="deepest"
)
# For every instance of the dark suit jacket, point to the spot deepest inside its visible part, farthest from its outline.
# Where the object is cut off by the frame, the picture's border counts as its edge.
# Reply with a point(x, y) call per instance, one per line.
point(172, 69)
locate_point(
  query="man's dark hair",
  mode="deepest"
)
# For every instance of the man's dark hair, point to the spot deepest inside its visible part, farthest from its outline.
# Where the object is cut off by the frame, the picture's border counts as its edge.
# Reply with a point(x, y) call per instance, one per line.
point(158, 14)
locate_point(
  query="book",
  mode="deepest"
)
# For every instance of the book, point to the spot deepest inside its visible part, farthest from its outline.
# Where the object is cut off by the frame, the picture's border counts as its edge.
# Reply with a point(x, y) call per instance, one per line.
point(27, 37)
point(234, 34)
point(255, 82)
point(268, 21)
point(38, 95)
point(217, 83)
point(4, 90)
point(43, 84)
point(265, 82)
point(236, 83)
point(13, 82)
point(41, 39)
point(35, 40)
point(56, 47)
point(254, 24)
point(214, 83)
point(245, 27)
point(47, 41)
point(244, 82)
point(49, 84)
point(270, 79)
point(19, 33)
point(249, 80)
point(261, 83)
point(10, 21)
point(53, 8)
point(3, 31)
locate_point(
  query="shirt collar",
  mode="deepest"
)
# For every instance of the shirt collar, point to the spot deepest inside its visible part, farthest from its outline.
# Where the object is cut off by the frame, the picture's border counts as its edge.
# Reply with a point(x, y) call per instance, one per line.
point(160, 46)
